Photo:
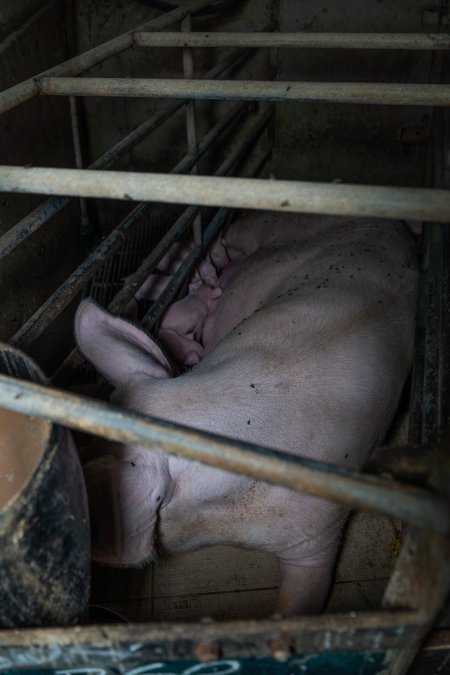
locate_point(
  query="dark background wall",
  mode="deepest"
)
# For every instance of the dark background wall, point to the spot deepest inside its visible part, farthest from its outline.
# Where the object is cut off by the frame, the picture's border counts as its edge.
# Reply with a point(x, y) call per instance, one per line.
point(37, 133)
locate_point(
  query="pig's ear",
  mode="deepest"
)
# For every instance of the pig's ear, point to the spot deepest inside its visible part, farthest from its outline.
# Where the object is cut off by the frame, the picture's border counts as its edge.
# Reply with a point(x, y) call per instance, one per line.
point(117, 348)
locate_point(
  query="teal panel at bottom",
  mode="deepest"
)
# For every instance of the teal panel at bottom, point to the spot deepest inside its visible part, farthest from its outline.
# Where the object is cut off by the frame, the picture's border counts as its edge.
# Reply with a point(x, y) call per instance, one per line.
point(343, 663)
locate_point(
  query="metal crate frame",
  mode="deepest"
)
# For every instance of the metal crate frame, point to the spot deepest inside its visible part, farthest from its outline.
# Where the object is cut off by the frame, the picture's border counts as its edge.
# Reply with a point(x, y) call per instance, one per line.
point(420, 580)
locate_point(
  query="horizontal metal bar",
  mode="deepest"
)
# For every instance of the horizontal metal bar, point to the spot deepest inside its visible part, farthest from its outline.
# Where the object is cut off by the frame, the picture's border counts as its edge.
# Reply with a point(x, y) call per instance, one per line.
point(395, 41)
point(20, 93)
point(41, 214)
point(236, 639)
point(44, 212)
point(277, 195)
point(150, 263)
point(413, 505)
point(42, 318)
point(324, 92)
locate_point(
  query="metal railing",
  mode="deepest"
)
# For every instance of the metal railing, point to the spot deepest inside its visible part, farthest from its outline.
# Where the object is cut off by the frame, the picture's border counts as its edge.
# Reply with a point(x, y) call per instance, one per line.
point(423, 507)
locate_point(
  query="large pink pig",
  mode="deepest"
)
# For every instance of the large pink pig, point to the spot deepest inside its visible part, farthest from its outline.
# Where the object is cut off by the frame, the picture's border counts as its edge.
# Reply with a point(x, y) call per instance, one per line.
point(309, 347)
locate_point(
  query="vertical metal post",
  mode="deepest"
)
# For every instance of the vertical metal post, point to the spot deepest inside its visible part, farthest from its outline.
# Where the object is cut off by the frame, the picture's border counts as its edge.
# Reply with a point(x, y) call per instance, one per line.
point(76, 136)
point(421, 579)
point(273, 75)
point(191, 124)
point(67, 21)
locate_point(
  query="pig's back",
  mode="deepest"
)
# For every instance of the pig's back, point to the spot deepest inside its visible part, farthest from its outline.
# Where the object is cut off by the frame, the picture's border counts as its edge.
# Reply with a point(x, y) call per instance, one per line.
point(323, 272)
point(317, 350)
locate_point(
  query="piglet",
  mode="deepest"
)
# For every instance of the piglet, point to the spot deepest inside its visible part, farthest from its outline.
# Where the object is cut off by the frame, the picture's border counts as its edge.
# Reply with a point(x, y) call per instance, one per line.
point(310, 345)
point(181, 326)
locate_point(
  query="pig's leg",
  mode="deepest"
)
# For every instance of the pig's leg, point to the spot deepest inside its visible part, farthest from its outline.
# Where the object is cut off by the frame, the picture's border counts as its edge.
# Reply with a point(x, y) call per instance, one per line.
point(207, 273)
point(306, 570)
point(182, 348)
point(304, 585)
point(218, 255)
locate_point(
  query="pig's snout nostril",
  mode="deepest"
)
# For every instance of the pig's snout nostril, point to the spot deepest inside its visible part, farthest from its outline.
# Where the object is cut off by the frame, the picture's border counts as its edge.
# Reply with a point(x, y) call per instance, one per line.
point(95, 532)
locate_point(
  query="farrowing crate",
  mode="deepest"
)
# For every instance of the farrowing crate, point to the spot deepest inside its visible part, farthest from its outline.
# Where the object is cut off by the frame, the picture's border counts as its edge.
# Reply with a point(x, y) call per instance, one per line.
point(363, 642)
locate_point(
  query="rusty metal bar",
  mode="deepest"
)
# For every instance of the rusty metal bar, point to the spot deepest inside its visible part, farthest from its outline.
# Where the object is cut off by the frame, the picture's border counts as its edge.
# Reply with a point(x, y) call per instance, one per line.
point(349, 631)
point(278, 195)
point(150, 263)
point(34, 220)
point(324, 92)
point(40, 320)
point(355, 490)
point(395, 41)
point(20, 93)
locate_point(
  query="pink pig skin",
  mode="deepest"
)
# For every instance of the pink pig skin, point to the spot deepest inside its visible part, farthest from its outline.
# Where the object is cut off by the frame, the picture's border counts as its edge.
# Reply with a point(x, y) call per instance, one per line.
point(310, 347)
point(181, 325)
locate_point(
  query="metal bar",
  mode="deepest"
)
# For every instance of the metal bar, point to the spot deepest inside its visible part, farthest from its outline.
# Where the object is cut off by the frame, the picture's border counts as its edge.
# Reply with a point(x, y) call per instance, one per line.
point(191, 124)
point(150, 263)
point(354, 490)
point(34, 220)
point(181, 275)
point(76, 137)
point(41, 214)
point(304, 40)
point(324, 92)
point(349, 631)
point(20, 93)
point(278, 195)
point(40, 320)
point(421, 579)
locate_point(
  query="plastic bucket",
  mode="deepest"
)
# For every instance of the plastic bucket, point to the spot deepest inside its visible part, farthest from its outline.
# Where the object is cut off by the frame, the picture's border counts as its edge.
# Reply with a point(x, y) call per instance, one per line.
point(44, 524)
